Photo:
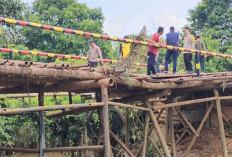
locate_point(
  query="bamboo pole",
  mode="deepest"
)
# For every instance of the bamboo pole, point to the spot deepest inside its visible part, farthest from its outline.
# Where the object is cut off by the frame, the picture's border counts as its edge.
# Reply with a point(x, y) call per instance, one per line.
point(58, 149)
point(127, 106)
point(199, 129)
point(70, 97)
point(41, 126)
point(51, 73)
point(122, 144)
point(158, 131)
point(167, 126)
point(105, 121)
point(221, 125)
point(173, 144)
point(147, 119)
point(189, 102)
point(120, 114)
point(35, 95)
point(186, 120)
point(8, 111)
point(127, 128)
point(137, 119)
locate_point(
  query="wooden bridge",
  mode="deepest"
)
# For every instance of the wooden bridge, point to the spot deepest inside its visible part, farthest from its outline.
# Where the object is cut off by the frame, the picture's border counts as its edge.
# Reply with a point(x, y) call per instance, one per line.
point(114, 89)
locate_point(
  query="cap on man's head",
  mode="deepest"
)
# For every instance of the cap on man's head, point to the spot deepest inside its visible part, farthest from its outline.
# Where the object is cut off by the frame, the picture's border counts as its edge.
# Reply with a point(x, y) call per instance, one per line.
point(126, 37)
point(186, 28)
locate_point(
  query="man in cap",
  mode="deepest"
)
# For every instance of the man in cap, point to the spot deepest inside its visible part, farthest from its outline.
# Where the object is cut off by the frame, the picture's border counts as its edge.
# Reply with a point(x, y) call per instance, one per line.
point(172, 39)
point(200, 45)
point(189, 43)
point(93, 54)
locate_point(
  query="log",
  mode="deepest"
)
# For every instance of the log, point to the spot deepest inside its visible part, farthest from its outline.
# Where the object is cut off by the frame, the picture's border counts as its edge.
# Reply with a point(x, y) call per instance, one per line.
point(42, 142)
point(52, 73)
point(120, 114)
point(35, 95)
point(121, 143)
point(173, 144)
point(8, 111)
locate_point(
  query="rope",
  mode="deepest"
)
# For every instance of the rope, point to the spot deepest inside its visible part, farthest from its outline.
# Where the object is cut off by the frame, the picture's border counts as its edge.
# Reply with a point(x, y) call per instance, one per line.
point(105, 37)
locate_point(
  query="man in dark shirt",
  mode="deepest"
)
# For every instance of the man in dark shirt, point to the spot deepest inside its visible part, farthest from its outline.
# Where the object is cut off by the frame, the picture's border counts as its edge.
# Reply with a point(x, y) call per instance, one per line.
point(200, 45)
point(153, 53)
point(172, 39)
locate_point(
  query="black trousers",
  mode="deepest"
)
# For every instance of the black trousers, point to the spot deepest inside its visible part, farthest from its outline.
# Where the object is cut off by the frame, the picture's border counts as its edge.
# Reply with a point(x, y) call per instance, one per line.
point(93, 64)
point(188, 61)
point(151, 63)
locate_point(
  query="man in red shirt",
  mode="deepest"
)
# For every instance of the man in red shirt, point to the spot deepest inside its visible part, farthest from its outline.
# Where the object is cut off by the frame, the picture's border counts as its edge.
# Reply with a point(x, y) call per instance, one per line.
point(153, 53)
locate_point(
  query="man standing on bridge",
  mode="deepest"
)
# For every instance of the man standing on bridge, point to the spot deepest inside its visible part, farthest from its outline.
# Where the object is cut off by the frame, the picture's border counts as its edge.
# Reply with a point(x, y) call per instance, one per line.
point(189, 43)
point(200, 45)
point(172, 39)
point(153, 53)
point(93, 54)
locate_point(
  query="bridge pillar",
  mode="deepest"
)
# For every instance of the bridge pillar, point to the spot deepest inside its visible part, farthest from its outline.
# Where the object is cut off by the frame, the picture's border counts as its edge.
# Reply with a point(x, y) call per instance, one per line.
point(41, 126)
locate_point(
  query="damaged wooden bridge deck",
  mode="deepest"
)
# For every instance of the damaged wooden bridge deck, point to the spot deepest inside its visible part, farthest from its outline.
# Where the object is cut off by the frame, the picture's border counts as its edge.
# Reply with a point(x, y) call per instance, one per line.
point(115, 89)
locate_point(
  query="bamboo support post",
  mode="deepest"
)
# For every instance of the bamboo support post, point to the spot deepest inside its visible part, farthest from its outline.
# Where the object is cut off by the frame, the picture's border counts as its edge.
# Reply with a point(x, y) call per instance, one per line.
point(127, 128)
point(221, 125)
point(158, 131)
point(147, 119)
point(41, 126)
point(199, 129)
point(167, 126)
point(173, 144)
point(122, 144)
point(105, 121)
point(70, 97)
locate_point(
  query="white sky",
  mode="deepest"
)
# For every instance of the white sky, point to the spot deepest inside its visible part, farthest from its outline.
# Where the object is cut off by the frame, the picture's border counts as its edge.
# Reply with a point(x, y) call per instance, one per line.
point(123, 17)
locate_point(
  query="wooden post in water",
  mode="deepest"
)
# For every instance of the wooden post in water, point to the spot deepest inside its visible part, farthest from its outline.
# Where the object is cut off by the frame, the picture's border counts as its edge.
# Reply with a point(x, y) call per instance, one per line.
point(221, 125)
point(41, 126)
point(105, 119)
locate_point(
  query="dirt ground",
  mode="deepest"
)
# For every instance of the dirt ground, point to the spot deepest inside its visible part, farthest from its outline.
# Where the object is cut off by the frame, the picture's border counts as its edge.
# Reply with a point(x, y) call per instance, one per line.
point(208, 144)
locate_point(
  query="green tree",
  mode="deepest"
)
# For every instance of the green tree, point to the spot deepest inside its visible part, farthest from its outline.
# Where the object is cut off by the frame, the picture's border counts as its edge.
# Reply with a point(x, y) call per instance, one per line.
point(66, 14)
point(213, 19)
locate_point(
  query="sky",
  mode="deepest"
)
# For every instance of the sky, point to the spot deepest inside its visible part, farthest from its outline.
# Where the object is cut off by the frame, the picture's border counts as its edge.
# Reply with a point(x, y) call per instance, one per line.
point(125, 17)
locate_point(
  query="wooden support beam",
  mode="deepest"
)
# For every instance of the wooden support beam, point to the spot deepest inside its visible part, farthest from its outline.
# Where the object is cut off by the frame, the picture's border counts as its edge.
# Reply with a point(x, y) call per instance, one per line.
point(186, 120)
point(199, 129)
point(127, 128)
point(122, 144)
point(167, 125)
point(221, 125)
point(120, 114)
point(8, 111)
point(173, 144)
point(127, 106)
point(41, 126)
point(57, 149)
point(147, 120)
point(105, 121)
point(158, 131)
point(70, 97)
point(189, 102)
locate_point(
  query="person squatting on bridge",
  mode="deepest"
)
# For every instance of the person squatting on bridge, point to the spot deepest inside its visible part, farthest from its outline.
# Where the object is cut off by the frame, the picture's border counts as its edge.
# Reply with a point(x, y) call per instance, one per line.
point(172, 39)
point(189, 43)
point(93, 54)
point(200, 45)
point(153, 53)
point(124, 49)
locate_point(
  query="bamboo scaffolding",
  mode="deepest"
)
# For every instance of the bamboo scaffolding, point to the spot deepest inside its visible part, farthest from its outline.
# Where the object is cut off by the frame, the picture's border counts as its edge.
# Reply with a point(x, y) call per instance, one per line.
point(147, 120)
